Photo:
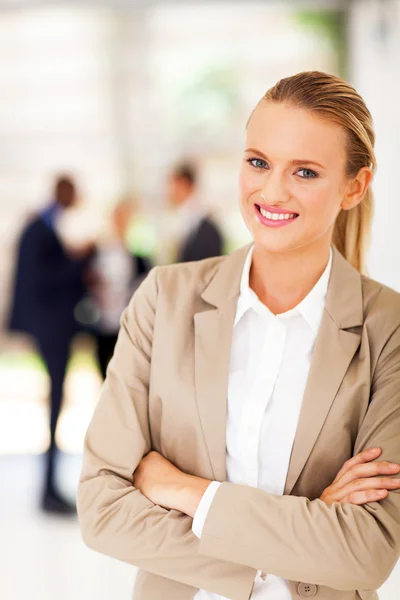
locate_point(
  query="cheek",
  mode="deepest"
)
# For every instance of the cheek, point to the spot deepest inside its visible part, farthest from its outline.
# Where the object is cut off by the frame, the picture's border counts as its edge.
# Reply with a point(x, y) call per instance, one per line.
point(242, 184)
point(320, 201)
point(248, 183)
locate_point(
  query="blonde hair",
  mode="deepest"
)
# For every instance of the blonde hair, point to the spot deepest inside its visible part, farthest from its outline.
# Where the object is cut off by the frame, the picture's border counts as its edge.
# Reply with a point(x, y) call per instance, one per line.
point(337, 101)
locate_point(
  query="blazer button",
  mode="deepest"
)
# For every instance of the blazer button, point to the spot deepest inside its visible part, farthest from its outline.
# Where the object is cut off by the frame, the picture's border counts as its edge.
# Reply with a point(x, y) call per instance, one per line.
point(307, 590)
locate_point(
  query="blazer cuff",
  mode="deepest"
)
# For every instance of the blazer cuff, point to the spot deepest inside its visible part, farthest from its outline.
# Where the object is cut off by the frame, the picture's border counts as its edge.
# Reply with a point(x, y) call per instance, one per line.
point(203, 508)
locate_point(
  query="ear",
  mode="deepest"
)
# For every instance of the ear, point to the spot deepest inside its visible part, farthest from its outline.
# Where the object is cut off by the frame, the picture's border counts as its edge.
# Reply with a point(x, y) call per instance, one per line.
point(357, 188)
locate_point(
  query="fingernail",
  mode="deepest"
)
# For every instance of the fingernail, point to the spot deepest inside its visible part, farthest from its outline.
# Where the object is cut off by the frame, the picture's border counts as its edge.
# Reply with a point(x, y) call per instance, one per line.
point(396, 480)
point(382, 493)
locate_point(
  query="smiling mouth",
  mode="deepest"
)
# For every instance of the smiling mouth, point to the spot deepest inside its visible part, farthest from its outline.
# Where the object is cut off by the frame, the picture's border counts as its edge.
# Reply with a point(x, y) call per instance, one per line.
point(276, 216)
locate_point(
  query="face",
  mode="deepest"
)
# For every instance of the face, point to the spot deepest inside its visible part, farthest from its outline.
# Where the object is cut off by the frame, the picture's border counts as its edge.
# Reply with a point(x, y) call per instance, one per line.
point(293, 181)
point(122, 216)
point(66, 194)
point(179, 189)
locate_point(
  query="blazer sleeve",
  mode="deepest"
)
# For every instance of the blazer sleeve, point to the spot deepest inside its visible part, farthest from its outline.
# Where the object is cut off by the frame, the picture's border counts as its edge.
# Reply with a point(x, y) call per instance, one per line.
point(345, 547)
point(115, 518)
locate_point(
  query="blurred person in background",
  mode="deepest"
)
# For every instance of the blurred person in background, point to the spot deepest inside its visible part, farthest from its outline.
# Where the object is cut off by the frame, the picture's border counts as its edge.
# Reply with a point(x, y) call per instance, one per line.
point(115, 273)
point(49, 283)
point(247, 434)
point(196, 235)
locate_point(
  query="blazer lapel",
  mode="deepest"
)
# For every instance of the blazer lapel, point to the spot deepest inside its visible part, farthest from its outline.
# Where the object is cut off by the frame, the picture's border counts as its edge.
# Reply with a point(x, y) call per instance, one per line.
point(213, 337)
point(337, 342)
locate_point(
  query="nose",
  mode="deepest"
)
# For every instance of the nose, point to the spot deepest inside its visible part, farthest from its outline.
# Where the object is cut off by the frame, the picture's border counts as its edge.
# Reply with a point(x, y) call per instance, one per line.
point(274, 189)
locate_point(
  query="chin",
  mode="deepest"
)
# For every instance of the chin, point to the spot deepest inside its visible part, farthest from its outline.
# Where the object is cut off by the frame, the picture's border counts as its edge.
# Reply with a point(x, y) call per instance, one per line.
point(275, 241)
point(274, 248)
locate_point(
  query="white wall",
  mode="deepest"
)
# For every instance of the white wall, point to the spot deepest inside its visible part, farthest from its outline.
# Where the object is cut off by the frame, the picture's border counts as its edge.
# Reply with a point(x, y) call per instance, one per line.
point(374, 38)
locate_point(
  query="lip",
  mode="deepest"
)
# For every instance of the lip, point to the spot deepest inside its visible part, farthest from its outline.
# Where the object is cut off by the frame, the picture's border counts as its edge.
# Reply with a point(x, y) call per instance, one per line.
point(270, 222)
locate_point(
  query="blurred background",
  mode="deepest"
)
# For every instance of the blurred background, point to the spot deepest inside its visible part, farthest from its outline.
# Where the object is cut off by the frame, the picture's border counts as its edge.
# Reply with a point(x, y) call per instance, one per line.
point(136, 108)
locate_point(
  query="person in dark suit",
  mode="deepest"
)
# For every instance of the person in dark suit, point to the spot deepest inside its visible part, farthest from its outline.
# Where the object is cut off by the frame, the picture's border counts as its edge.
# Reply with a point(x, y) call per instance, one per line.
point(49, 283)
point(115, 273)
point(199, 236)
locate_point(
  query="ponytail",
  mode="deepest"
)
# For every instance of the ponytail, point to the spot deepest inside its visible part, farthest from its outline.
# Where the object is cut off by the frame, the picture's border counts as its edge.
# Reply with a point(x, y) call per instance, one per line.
point(351, 234)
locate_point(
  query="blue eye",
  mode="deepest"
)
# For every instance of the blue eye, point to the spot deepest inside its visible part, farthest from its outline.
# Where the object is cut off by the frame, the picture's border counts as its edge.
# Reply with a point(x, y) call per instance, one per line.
point(307, 174)
point(257, 163)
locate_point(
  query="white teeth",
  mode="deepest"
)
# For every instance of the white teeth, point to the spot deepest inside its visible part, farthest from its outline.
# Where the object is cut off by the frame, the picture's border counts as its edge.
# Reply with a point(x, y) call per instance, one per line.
point(276, 216)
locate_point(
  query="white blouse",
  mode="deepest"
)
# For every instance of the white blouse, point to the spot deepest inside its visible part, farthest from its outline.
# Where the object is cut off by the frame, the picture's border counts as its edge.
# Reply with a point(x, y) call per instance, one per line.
point(270, 361)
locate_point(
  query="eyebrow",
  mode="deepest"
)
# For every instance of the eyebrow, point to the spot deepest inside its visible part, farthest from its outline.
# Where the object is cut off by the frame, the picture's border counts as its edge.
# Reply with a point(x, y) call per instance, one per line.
point(293, 162)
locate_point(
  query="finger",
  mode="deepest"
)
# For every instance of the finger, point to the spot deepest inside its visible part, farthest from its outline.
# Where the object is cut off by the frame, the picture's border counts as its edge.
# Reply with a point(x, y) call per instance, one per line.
point(359, 498)
point(367, 470)
point(338, 494)
point(365, 486)
point(374, 483)
point(361, 457)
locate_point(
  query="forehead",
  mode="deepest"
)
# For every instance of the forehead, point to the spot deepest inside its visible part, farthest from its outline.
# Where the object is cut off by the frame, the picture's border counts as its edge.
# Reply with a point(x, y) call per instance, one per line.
point(284, 132)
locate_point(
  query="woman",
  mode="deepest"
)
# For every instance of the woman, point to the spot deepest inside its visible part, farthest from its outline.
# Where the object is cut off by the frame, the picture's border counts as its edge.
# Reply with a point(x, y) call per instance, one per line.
point(274, 371)
point(115, 274)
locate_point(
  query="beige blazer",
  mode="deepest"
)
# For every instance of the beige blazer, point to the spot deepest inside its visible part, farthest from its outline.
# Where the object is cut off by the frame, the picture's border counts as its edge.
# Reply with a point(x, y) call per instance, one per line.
point(166, 390)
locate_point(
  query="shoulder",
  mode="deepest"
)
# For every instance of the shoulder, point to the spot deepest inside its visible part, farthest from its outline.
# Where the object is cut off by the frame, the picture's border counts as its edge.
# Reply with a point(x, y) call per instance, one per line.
point(382, 327)
point(187, 278)
point(171, 294)
point(192, 286)
point(209, 225)
point(33, 228)
point(381, 307)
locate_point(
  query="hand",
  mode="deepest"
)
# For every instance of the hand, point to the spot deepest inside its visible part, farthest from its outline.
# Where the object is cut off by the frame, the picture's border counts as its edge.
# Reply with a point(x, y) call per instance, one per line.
point(165, 485)
point(358, 483)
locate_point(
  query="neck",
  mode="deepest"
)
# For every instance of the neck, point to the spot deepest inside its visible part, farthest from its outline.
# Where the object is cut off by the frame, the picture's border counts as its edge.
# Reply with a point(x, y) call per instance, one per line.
point(282, 280)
